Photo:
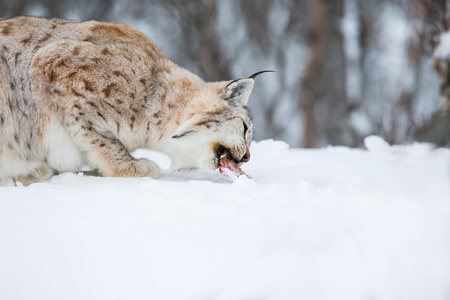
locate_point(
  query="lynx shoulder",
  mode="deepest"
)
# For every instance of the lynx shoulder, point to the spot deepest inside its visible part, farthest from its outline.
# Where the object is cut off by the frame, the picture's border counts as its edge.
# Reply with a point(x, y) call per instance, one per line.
point(76, 93)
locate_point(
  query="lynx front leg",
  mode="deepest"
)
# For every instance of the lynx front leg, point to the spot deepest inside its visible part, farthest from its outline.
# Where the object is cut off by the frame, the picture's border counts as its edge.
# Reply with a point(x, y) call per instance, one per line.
point(109, 157)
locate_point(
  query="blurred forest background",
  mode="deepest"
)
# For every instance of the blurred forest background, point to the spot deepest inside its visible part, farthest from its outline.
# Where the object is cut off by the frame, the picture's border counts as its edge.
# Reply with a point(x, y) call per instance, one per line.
point(346, 68)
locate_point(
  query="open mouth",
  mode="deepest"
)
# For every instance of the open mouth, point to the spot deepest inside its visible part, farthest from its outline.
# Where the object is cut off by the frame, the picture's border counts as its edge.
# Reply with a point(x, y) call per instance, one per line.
point(223, 153)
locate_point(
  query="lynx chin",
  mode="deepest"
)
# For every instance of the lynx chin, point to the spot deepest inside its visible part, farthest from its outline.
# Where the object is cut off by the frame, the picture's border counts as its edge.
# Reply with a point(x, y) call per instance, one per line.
point(89, 93)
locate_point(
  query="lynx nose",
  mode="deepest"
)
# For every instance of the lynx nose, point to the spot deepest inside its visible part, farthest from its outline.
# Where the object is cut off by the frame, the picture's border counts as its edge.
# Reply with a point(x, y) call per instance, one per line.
point(246, 156)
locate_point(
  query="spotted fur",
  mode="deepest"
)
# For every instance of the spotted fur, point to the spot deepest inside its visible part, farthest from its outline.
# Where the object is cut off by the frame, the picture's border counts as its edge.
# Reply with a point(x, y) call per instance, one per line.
point(75, 93)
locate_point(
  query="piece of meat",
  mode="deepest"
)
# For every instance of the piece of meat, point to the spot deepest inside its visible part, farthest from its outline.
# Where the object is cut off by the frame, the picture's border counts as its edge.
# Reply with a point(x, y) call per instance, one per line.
point(229, 168)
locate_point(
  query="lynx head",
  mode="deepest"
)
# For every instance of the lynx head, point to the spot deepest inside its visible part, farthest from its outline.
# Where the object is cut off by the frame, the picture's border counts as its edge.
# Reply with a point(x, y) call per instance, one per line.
point(220, 124)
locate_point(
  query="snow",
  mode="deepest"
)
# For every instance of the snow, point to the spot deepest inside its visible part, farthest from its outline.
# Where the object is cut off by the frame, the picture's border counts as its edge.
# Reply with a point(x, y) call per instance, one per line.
point(375, 143)
point(442, 51)
point(331, 223)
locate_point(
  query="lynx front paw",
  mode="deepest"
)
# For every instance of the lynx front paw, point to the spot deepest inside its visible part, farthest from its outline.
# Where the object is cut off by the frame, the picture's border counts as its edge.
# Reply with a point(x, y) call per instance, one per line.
point(136, 168)
point(39, 174)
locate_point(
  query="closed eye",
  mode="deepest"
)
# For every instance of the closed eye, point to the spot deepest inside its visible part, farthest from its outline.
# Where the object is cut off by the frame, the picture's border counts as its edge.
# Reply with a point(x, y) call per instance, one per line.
point(181, 135)
point(245, 128)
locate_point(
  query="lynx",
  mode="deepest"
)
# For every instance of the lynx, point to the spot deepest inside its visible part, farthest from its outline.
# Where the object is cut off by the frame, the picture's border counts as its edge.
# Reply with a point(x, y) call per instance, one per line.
point(89, 93)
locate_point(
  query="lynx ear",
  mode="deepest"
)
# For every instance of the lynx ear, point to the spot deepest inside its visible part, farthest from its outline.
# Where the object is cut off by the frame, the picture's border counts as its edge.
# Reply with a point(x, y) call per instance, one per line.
point(238, 91)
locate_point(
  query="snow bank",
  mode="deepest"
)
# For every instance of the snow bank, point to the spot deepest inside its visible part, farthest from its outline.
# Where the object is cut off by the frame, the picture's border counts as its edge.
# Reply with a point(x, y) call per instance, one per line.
point(333, 223)
point(442, 51)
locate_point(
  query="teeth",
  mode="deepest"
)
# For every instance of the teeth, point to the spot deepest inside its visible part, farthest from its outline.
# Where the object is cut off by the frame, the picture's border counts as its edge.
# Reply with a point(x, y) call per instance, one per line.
point(223, 155)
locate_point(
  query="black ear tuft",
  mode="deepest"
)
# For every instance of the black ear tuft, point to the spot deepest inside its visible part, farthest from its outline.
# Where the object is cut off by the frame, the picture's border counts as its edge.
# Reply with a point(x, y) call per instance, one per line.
point(238, 91)
point(260, 72)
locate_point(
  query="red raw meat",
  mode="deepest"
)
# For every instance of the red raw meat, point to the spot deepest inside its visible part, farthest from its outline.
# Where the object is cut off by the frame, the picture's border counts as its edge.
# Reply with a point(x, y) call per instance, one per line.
point(227, 163)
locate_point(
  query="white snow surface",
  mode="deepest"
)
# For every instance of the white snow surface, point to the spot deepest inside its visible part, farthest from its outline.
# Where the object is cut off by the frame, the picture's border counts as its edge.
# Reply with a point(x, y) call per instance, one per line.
point(331, 223)
point(442, 51)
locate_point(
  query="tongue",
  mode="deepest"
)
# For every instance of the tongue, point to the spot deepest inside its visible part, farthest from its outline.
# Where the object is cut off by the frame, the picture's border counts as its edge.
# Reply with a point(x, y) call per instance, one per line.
point(229, 168)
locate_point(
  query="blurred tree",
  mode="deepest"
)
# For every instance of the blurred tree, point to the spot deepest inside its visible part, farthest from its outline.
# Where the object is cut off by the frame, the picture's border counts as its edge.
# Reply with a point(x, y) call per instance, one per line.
point(198, 19)
point(442, 64)
point(9, 8)
point(435, 21)
point(323, 100)
point(346, 68)
point(270, 44)
point(88, 9)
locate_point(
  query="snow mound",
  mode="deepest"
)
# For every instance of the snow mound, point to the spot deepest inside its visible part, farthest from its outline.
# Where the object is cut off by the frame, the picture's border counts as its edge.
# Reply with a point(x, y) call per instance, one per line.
point(332, 223)
point(375, 143)
point(442, 51)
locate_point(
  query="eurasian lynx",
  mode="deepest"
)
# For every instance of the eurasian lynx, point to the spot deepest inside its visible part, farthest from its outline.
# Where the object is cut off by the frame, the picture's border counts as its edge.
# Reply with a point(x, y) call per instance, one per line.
point(75, 93)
